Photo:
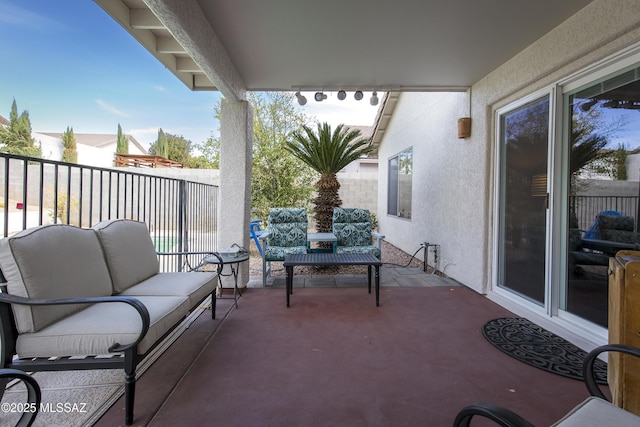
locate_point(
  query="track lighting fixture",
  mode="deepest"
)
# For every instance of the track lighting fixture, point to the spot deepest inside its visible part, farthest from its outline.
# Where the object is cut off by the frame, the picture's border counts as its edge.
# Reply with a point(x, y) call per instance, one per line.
point(320, 95)
point(588, 105)
point(374, 98)
point(302, 100)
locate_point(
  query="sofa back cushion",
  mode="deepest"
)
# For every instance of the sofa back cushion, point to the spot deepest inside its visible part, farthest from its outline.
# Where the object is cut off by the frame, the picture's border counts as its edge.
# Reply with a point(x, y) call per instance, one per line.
point(129, 251)
point(52, 261)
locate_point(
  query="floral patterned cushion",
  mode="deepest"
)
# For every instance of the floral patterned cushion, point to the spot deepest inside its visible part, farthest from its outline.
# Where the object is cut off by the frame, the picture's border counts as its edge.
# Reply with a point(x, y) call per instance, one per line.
point(373, 250)
point(277, 253)
point(287, 229)
point(352, 227)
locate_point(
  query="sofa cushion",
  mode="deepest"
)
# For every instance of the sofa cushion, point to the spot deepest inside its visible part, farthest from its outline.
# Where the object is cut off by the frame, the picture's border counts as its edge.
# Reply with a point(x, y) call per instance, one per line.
point(96, 328)
point(195, 286)
point(129, 252)
point(597, 412)
point(52, 261)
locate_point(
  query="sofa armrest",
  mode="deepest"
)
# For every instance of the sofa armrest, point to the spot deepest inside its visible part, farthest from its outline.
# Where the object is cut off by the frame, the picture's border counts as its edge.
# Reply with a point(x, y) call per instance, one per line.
point(379, 237)
point(135, 303)
point(201, 263)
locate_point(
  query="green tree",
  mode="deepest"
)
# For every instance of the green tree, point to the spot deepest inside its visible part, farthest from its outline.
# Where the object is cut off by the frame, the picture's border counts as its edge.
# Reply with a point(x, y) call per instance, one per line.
point(17, 138)
point(210, 150)
point(278, 179)
point(122, 144)
point(619, 160)
point(162, 147)
point(327, 153)
point(70, 153)
point(177, 148)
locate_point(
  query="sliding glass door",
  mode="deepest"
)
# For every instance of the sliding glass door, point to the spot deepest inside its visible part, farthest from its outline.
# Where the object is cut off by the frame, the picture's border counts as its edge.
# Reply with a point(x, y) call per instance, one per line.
point(602, 122)
point(524, 153)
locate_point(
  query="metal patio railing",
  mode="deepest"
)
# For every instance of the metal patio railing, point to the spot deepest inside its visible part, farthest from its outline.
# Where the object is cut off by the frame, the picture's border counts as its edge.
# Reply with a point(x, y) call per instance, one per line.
point(181, 215)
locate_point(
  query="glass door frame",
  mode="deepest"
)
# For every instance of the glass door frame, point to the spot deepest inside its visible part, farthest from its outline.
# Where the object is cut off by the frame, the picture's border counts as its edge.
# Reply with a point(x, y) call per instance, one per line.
point(548, 92)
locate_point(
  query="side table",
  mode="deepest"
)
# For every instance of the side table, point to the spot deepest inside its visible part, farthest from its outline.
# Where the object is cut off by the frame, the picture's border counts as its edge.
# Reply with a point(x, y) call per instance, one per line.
point(321, 237)
point(233, 261)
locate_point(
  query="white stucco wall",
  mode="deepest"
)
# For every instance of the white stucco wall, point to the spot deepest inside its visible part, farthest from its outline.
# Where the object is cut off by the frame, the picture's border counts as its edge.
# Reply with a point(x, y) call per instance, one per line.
point(453, 202)
point(447, 182)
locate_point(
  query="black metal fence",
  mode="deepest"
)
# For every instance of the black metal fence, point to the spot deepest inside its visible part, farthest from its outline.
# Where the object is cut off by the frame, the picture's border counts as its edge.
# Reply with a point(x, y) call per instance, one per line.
point(181, 215)
point(588, 207)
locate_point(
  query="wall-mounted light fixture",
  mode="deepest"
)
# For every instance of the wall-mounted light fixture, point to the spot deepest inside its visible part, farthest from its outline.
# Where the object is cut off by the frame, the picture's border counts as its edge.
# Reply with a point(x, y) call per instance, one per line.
point(464, 127)
point(464, 123)
point(302, 100)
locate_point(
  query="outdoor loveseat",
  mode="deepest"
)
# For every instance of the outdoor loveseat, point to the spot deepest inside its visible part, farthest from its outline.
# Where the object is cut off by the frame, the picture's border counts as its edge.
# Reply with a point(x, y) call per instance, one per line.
point(595, 411)
point(73, 294)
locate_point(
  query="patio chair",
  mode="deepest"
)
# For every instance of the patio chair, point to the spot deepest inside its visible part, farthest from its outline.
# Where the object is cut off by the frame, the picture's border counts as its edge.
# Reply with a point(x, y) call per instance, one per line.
point(352, 227)
point(255, 232)
point(34, 396)
point(286, 234)
point(594, 411)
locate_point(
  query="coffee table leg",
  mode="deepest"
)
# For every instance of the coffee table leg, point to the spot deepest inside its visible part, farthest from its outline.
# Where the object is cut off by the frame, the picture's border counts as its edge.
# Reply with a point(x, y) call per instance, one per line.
point(369, 277)
point(377, 286)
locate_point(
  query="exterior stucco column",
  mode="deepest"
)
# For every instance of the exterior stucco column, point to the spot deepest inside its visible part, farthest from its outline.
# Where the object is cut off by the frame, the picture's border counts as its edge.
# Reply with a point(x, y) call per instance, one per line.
point(234, 203)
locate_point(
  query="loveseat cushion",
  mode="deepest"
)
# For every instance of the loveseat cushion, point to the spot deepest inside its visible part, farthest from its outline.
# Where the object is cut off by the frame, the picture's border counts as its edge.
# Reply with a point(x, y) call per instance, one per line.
point(96, 328)
point(129, 252)
point(193, 285)
point(52, 261)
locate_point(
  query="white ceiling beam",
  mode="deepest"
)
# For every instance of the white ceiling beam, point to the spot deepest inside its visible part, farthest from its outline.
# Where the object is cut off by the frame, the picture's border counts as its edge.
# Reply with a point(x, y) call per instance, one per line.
point(188, 25)
point(144, 19)
point(165, 44)
point(202, 82)
point(187, 65)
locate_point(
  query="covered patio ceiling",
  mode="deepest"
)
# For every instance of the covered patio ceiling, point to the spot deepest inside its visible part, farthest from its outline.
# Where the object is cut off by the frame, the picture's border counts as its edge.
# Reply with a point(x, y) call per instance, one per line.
point(236, 46)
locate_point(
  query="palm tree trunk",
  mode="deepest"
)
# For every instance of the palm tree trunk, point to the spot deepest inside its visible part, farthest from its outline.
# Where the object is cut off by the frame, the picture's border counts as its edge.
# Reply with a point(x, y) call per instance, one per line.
point(326, 200)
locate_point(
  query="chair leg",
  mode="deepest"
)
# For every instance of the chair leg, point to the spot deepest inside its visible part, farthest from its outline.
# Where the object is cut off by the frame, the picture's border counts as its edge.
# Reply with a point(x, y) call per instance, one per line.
point(129, 384)
point(264, 273)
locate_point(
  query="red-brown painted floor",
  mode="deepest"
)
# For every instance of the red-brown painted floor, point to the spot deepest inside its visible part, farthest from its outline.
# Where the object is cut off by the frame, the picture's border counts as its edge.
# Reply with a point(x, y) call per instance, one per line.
point(334, 359)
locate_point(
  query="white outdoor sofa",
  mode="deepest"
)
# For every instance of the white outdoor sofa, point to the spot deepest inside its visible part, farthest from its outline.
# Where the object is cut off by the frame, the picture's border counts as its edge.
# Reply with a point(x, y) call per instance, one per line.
point(72, 294)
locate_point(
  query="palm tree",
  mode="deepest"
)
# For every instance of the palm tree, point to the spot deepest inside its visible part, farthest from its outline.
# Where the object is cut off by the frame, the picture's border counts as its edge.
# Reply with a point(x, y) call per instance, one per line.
point(327, 153)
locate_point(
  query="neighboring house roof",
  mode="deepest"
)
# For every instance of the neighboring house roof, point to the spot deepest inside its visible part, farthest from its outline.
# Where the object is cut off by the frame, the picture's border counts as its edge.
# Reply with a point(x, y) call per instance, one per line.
point(4, 121)
point(385, 112)
point(97, 139)
point(365, 131)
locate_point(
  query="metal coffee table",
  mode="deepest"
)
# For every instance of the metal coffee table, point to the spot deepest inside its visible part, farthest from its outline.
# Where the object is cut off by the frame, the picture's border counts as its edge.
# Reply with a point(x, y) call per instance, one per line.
point(309, 259)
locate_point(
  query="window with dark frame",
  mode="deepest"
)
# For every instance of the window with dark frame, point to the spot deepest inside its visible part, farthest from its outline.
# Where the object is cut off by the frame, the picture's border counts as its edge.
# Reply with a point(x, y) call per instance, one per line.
point(399, 184)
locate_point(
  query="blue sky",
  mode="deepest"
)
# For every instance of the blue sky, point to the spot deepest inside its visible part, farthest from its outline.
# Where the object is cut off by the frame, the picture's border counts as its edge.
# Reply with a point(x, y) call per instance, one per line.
point(69, 63)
